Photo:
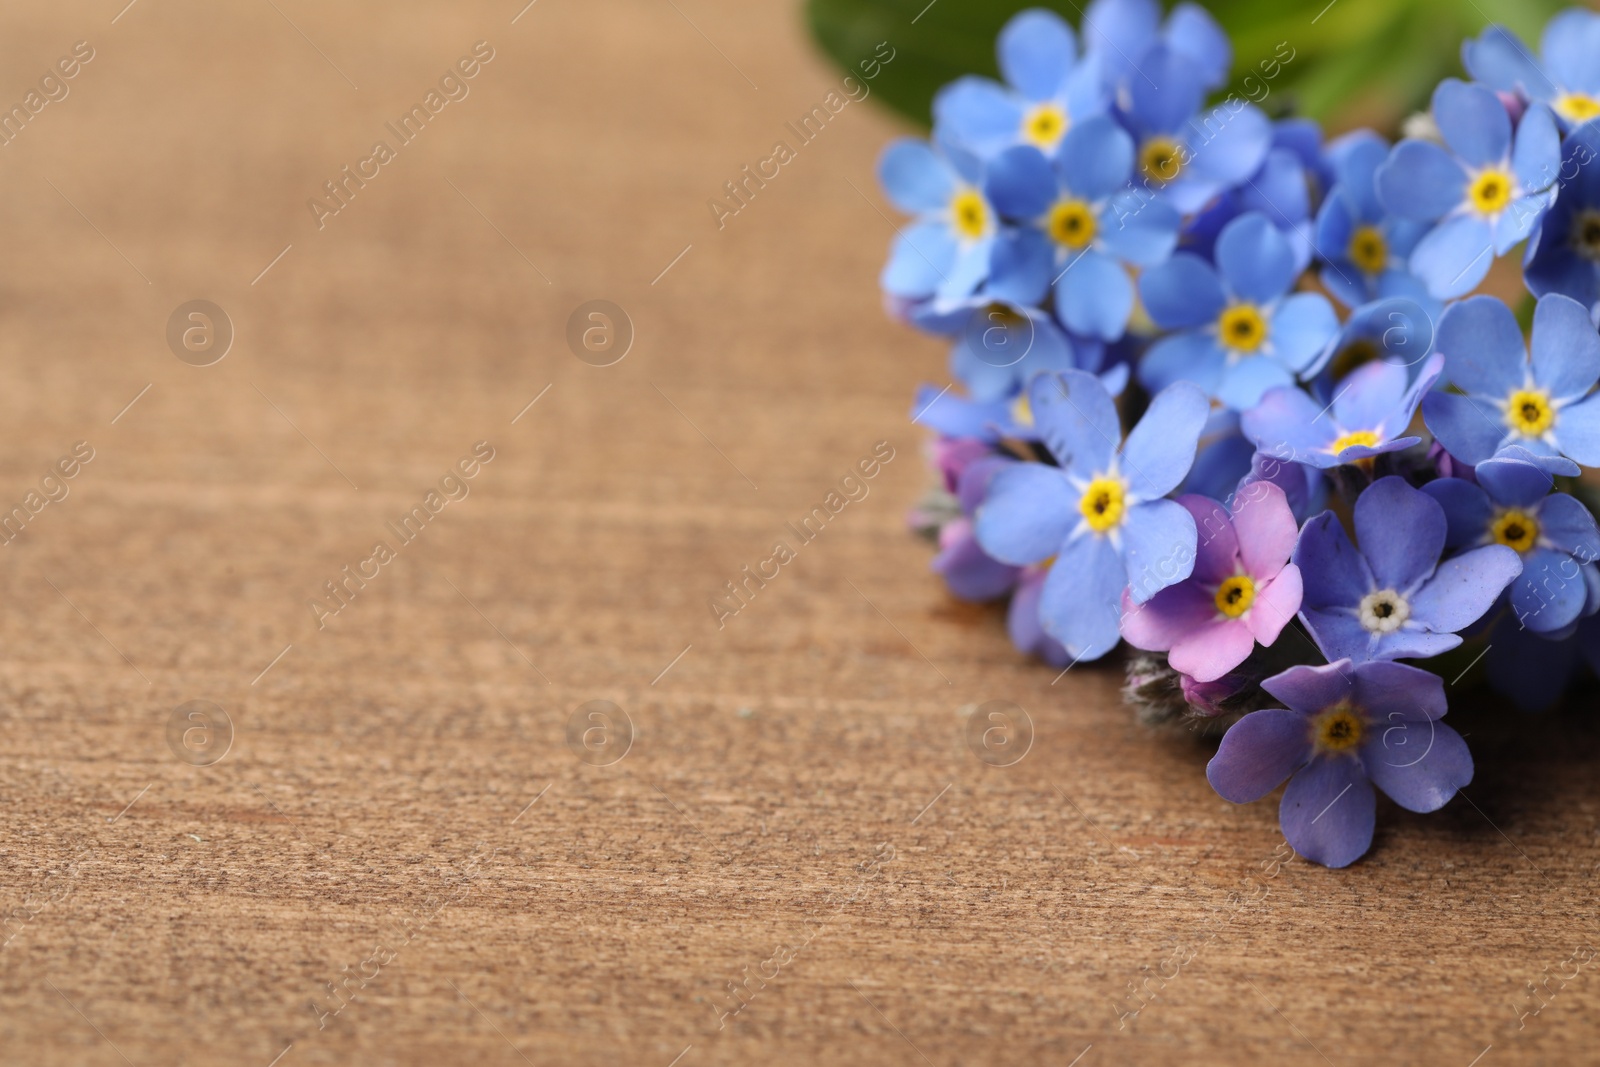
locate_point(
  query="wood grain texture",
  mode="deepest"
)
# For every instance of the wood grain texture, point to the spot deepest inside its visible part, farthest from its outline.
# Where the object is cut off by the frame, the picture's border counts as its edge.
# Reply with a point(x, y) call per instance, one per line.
point(798, 811)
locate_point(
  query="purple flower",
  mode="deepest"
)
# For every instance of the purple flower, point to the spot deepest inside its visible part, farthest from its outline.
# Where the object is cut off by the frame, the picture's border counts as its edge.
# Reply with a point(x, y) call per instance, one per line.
point(1555, 536)
point(1542, 404)
point(1243, 589)
point(1393, 598)
point(1367, 418)
point(1346, 728)
point(1102, 514)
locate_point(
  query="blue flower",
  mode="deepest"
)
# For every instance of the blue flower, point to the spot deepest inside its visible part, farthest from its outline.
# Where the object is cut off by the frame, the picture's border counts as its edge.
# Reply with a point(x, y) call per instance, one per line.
point(1118, 33)
point(1000, 344)
point(1396, 330)
point(1542, 404)
point(1564, 256)
point(1368, 416)
point(1347, 727)
point(1365, 247)
point(1189, 156)
point(1485, 193)
point(945, 253)
point(1281, 190)
point(1569, 78)
point(1555, 536)
point(1394, 599)
point(1086, 224)
point(1242, 332)
point(1049, 90)
point(1532, 670)
point(1101, 514)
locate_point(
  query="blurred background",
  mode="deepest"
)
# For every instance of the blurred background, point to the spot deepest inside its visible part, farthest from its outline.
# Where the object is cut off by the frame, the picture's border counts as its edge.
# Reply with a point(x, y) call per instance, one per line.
point(1367, 63)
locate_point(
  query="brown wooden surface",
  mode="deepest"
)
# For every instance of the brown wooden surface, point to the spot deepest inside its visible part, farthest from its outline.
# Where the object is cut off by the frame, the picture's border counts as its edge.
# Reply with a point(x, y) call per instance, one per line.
point(798, 800)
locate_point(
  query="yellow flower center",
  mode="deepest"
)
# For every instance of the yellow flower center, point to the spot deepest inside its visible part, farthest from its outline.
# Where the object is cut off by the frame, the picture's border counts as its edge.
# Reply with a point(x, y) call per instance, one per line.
point(1576, 107)
point(1353, 438)
point(1338, 729)
point(1241, 328)
point(1490, 192)
point(1585, 234)
point(1235, 595)
point(1072, 223)
point(1515, 528)
point(970, 213)
point(1530, 412)
point(1160, 160)
point(1368, 250)
point(1383, 612)
point(1103, 503)
point(1043, 125)
point(1021, 410)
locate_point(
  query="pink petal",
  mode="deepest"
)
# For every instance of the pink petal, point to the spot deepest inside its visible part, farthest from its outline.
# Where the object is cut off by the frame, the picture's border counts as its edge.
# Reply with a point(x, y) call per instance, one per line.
point(1275, 604)
point(1266, 529)
point(1217, 546)
point(1166, 617)
point(1209, 653)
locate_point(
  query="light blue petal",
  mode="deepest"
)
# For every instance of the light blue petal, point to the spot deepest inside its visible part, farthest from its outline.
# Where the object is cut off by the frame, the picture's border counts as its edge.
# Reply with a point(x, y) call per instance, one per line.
point(1519, 219)
point(1301, 328)
point(1565, 347)
point(1358, 156)
point(1571, 43)
point(1472, 121)
point(1577, 431)
point(1160, 449)
point(1500, 60)
point(1549, 593)
point(1020, 183)
point(1118, 32)
point(1184, 291)
point(1467, 430)
point(1421, 181)
point(1483, 348)
point(914, 178)
point(1077, 420)
point(1513, 483)
point(1569, 526)
point(977, 113)
point(1255, 260)
point(1195, 34)
point(1244, 382)
point(1095, 296)
point(968, 270)
point(1037, 50)
point(1454, 257)
point(1096, 158)
point(1139, 228)
point(1081, 605)
point(1229, 142)
point(1166, 94)
point(1191, 356)
point(1537, 156)
point(1020, 267)
point(922, 258)
point(1288, 421)
point(1159, 547)
point(1467, 510)
point(1028, 513)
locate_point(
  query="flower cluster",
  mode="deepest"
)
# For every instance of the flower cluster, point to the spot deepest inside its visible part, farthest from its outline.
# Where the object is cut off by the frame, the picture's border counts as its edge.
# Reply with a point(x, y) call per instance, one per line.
point(1287, 328)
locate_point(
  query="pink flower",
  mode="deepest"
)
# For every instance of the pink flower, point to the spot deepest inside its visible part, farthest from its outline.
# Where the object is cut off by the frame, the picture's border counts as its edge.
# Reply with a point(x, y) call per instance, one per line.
point(1243, 589)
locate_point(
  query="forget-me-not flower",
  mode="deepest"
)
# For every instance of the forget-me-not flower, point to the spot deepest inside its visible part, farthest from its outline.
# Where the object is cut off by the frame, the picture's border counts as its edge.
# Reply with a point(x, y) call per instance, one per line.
point(1393, 599)
point(1542, 404)
point(1240, 330)
point(1048, 89)
point(1365, 247)
point(1102, 514)
point(1118, 33)
point(1567, 79)
point(1512, 505)
point(1087, 227)
point(1345, 728)
point(946, 252)
point(1369, 416)
point(1484, 191)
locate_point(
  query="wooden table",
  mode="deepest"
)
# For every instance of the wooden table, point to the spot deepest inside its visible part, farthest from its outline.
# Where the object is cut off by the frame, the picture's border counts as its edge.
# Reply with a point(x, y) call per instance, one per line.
point(419, 847)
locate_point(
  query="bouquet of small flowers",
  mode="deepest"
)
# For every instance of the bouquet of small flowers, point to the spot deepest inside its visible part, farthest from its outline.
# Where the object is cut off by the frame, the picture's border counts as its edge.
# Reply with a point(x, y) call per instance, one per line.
point(1337, 457)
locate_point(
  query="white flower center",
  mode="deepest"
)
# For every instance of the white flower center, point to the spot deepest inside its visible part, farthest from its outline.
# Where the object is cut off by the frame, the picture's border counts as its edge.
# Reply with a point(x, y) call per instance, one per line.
point(1384, 612)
